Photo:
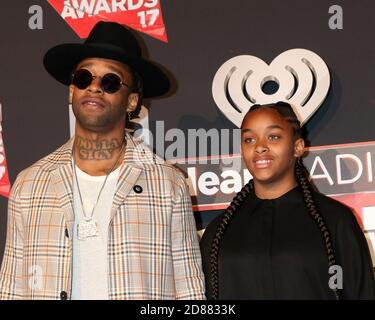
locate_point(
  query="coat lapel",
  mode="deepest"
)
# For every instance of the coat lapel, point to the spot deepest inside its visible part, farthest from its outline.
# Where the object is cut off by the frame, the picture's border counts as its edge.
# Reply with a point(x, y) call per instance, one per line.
point(127, 179)
point(138, 159)
point(62, 180)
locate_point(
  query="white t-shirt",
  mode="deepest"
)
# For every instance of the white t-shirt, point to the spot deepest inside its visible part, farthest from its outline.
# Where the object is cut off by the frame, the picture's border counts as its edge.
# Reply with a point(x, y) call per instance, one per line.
point(90, 259)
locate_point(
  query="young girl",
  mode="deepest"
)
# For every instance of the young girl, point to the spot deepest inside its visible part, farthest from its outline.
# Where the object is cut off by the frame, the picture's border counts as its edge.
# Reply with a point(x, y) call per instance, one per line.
point(280, 239)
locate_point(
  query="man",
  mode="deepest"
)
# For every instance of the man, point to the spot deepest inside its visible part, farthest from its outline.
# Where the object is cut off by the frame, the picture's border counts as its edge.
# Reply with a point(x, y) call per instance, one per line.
point(102, 217)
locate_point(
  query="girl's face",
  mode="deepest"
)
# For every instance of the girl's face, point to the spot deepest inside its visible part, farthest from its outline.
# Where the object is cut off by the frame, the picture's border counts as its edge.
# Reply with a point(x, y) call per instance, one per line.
point(269, 148)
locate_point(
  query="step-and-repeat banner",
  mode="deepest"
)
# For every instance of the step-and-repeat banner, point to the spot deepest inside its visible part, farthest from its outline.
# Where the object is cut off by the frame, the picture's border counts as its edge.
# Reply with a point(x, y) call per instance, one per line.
point(223, 57)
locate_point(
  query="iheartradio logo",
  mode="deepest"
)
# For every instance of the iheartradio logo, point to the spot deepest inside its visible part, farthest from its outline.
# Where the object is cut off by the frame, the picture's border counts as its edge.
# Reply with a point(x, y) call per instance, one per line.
point(300, 76)
point(142, 15)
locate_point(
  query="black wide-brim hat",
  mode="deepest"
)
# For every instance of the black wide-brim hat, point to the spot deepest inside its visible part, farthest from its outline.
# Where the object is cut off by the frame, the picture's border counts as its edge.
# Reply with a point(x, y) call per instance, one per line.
point(108, 40)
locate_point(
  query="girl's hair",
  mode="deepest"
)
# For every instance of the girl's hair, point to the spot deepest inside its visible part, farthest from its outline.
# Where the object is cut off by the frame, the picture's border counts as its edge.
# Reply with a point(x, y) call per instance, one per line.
point(286, 111)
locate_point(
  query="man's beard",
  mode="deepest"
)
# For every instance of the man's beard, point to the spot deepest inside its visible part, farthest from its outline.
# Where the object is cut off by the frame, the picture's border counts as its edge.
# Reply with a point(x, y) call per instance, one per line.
point(104, 122)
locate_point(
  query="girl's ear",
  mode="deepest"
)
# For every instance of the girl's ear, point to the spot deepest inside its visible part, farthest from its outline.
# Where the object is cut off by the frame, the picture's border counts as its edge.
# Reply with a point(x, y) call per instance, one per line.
point(299, 148)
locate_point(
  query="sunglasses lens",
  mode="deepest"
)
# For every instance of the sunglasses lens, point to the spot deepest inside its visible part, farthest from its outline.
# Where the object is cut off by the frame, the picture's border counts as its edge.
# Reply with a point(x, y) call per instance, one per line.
point(82, 79)
point(111, 83)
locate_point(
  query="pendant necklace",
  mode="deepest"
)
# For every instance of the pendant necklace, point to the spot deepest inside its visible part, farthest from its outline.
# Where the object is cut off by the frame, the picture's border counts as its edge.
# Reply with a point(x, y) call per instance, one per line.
point(89, 227)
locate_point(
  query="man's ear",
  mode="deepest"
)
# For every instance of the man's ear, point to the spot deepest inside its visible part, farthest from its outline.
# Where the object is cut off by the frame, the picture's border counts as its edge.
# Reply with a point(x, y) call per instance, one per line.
point(71, 88)
point(133, 100)
point(299, 148)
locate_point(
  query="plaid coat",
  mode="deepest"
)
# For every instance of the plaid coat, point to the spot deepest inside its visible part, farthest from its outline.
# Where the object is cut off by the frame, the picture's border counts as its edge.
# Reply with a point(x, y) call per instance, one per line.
point(153, 250)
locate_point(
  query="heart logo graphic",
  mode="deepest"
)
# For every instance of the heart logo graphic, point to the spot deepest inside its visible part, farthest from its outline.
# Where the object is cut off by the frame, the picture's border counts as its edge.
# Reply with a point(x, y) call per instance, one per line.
point(301, 75)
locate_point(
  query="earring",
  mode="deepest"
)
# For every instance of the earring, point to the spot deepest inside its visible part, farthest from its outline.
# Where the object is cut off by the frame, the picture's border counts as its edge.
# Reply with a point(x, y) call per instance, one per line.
point(129, 126)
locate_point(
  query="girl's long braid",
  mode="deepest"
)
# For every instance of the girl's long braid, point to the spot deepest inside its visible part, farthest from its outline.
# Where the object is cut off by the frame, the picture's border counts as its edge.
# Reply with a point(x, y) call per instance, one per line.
point(227, 217)
point(286, 111)
point(307, 191)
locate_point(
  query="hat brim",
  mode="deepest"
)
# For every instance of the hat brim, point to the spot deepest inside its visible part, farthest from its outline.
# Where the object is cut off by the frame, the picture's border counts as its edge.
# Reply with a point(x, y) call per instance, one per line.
point(61, 60)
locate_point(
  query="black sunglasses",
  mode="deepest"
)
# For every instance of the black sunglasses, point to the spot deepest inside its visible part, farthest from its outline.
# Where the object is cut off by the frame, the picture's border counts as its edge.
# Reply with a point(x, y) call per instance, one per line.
point(110, 82)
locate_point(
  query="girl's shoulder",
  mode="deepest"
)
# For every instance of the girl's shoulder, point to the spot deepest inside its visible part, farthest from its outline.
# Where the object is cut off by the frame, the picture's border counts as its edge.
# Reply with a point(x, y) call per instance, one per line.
point(330, 203)
point(336, 212)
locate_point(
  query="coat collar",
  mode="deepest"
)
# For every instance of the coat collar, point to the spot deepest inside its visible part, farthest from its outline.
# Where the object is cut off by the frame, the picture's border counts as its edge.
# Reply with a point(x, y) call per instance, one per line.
point(138, 158)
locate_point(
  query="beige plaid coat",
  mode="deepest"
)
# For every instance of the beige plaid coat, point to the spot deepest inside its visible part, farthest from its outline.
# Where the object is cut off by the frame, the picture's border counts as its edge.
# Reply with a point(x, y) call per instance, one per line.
point(153, 250)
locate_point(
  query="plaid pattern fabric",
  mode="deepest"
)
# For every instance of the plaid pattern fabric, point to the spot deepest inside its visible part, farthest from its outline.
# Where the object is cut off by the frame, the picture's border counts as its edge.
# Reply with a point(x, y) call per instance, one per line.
point(153, 250)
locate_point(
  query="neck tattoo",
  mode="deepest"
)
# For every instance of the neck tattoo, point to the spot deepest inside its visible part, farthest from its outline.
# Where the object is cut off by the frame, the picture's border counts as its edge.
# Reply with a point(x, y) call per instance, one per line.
point(96, 149)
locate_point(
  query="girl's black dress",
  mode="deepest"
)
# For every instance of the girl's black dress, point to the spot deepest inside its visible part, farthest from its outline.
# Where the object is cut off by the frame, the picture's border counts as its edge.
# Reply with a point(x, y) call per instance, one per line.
point(273, 249)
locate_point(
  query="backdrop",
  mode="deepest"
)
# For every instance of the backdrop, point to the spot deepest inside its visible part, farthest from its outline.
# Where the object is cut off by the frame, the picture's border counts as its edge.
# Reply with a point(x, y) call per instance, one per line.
point(194, 40)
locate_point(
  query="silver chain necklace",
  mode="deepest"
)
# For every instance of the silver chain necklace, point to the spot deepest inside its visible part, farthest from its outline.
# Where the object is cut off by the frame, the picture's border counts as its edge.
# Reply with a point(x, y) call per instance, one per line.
point(88, 227)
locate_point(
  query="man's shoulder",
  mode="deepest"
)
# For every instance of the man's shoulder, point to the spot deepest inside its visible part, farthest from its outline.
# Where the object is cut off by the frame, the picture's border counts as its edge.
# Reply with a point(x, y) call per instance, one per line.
point(150, 161)
point(46, 164)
